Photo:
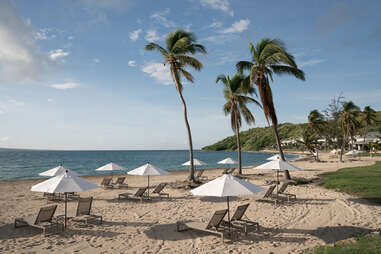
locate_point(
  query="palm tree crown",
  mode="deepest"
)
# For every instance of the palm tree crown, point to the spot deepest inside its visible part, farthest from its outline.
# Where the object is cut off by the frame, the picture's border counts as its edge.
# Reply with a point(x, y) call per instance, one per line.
point(316, 121)
point(269, 57)
point(179, 44)
point(368, 116)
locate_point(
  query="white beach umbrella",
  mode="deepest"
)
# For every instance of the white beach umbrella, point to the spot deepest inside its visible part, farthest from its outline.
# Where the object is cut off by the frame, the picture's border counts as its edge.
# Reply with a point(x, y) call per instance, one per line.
point(57, 171)
point(196, 162)
point(353, 152)
point(335, 151)
point(274, 157)
point(226, 186)
point(278, 165)
point(65, 183)
point(228, 160)
point(147, 170)
point(110, 167)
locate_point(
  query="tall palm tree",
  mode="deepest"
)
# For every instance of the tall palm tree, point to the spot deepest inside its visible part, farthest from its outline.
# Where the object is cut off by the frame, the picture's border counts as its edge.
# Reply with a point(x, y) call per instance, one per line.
point(368, 116)
point(269, 57)
point(316, 123)
point(179, 46)
point(235, 93)
point(349, 123)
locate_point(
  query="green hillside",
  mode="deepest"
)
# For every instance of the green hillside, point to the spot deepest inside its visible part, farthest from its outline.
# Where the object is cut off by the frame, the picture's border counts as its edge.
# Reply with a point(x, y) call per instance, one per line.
point(256, 139)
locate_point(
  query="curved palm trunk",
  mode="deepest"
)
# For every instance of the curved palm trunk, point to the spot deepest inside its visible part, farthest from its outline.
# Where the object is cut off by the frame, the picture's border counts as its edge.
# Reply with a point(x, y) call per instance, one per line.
point(239, 149)
point(191, 166)
point(286, 172)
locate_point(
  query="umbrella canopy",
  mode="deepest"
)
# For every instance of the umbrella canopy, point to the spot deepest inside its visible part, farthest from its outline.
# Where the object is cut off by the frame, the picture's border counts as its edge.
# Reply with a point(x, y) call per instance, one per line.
point(274, 157)
point(278, 165)
point(110, 167)
point(57, 171)
point(147, 170)
point(196, 162)
point(353, 152)
point(228, 160)
point(226, 185)
point(64, 183)
point(334, 151)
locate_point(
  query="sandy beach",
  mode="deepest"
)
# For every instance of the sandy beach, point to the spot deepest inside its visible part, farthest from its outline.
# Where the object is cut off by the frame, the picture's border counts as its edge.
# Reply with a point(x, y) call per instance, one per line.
point(319, 216)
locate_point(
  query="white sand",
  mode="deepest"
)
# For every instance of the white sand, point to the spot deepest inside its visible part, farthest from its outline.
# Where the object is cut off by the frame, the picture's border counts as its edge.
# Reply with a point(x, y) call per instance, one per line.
point(320, 216)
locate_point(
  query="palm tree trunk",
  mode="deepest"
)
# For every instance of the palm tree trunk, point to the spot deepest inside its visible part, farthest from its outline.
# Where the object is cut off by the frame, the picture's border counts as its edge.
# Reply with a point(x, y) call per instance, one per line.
point(191, 166)
point(239, 149)
point(342, 149)
point(286, 172)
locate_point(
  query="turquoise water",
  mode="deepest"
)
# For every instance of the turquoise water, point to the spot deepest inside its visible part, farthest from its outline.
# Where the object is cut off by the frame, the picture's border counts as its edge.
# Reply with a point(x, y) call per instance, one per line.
point(26, 164)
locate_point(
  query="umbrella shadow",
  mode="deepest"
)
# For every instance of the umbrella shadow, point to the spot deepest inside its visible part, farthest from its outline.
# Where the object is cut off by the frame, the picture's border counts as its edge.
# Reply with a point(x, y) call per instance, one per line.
point(367, 201)
point(125, 224)
point(8, 231)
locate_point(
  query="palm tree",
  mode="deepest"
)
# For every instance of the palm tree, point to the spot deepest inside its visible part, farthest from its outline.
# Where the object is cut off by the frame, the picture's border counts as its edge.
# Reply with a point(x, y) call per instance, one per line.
point(368, 116)
point(269, 57)
point(316, 123)
point(179, 45)
point(235, 93)
point(349, 123)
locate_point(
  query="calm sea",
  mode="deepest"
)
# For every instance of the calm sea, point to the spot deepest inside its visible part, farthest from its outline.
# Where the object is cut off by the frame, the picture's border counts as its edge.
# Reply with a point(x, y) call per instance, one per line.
point(26, 164)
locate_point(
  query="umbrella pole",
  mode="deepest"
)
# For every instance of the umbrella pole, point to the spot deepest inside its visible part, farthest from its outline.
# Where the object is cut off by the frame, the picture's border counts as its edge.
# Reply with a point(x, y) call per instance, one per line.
point(277, 184)
point(148, 187)
point(65, 208)
point(227, 201)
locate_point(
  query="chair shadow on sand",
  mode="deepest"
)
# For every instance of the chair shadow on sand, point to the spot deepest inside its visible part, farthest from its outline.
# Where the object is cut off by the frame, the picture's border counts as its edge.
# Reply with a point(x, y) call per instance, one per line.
point(167, 232)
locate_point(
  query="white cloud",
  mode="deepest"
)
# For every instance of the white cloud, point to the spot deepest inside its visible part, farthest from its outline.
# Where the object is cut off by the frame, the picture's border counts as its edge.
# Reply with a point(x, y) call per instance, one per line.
point(44, 34)
point(132, 63)
point(20, 58)
point(58, 55)
point(50, 100)
point(151, 35)
point(70, 38)
point(135, 34)
point(222, 5)
point(221, 38)
point(4, 139)
point(16, 103)
point(64, 86)
point(161, 18)
point(215, 24)
point(237, 27)
point(159, 72)
point(311, 62)
point(28, 22)
point(96, 60)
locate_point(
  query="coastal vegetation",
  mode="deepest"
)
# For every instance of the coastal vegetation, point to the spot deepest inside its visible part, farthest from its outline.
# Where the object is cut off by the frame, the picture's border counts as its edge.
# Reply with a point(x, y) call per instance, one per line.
point(262, 138)
point(236, 91)
point(363, 245)
point(180, 45)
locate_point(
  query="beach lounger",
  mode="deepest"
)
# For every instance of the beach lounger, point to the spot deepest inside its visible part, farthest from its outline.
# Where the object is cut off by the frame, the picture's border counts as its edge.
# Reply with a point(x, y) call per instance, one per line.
point(139, 194)
point(158, 190)
point(83, 212)
point(213, 226)
point(43, 220)
point(269, 192)
point(237, 220)
point(107, 183)
point(199, 175)
point(120, 182)
point(228, 171)
point(282, 190)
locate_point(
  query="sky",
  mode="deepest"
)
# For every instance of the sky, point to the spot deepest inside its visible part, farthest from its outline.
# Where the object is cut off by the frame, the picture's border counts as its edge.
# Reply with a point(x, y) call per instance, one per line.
point(75, 75)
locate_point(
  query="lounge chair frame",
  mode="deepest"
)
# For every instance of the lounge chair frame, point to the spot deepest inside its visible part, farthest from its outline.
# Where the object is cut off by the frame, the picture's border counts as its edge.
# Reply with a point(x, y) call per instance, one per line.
point(158, 190)
point(139, 194)
point(43, 221)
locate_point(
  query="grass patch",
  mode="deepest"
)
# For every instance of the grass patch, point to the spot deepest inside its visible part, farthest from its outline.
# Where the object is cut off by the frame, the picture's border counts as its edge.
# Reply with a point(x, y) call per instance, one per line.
point(364, 245)
point(364, 182)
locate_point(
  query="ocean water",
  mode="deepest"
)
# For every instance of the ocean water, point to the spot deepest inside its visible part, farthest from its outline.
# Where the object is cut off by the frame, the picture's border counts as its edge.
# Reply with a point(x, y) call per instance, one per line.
point(26, 164)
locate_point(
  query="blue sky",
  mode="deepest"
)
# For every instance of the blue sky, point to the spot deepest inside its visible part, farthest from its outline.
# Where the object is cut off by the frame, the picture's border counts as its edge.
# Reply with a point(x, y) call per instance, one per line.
point(74, 74)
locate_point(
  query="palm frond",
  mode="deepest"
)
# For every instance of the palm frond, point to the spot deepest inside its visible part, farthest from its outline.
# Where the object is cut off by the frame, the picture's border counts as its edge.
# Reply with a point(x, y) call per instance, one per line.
point(187, 75)
point(153, 46)
point(285, 69)
point(242, 66)
point(189, 61)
